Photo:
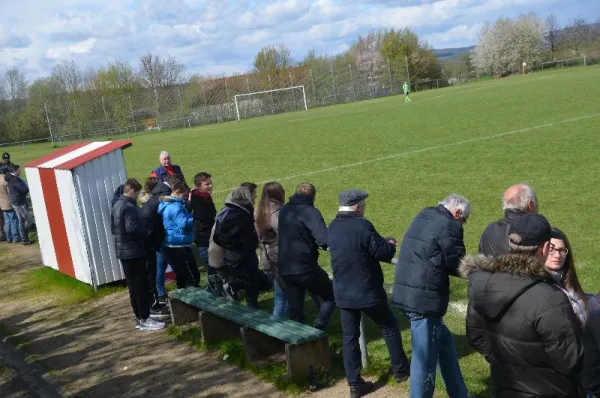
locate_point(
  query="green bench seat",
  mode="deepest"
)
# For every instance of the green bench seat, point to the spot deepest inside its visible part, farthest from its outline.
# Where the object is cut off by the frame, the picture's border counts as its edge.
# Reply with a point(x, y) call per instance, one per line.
point(262, 334)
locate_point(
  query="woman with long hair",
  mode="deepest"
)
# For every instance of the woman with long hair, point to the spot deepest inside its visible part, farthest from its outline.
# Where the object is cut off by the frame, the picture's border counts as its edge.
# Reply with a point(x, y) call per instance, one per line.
point(267, 221)
point(561, 265)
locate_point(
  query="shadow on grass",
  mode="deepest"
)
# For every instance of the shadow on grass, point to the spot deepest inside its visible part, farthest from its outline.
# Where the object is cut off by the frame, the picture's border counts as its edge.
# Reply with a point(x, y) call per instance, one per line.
point(65, 289)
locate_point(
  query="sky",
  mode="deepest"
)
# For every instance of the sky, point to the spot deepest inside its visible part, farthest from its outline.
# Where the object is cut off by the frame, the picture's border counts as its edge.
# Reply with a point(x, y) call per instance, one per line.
point(213, 37)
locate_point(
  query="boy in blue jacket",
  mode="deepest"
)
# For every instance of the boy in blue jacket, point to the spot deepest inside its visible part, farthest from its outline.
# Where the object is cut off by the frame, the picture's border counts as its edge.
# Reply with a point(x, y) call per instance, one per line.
point(179, 235)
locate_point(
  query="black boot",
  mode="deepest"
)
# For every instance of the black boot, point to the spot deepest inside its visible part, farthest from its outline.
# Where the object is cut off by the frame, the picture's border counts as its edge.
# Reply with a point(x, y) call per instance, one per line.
point(361, 390)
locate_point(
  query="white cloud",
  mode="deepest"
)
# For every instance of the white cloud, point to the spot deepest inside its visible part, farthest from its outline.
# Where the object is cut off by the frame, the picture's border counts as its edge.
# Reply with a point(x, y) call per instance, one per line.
point(224, 35)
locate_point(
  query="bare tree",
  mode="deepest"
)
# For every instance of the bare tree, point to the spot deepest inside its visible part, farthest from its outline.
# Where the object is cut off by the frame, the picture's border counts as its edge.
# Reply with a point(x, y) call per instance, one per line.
point(68, 76)
point(155, 73)
point(578, 35)
point(272, 59)
point(552, 35)
point(16, 84)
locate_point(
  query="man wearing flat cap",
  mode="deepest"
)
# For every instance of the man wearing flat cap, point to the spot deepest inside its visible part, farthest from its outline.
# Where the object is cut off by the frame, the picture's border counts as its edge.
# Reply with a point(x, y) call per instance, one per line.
point(356, 250)
point(520, 321)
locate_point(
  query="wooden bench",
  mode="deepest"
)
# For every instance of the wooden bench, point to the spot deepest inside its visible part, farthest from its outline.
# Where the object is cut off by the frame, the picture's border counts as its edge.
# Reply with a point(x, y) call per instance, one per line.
point(262, 334)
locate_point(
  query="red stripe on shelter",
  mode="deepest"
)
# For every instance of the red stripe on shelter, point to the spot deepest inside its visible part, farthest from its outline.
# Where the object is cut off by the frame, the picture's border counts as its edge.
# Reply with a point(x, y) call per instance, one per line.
point(56, 154)
point(58, 230)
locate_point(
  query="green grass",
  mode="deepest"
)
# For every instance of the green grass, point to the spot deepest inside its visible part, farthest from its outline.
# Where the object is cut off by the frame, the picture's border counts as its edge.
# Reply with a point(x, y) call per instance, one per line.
point(475, 139)
point(62, 288)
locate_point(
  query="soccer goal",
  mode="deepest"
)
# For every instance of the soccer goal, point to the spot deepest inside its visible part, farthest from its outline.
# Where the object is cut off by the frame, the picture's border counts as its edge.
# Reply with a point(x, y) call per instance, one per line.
point(267, 102)
point(561, 63)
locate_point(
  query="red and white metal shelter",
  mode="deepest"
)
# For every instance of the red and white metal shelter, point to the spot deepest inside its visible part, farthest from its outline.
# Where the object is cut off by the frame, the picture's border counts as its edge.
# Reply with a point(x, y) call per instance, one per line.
point(71, 192)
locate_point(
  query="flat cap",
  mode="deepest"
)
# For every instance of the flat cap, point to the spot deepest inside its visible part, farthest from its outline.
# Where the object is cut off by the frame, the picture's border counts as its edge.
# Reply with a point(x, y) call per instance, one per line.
point(350, 197)
point(530, 230)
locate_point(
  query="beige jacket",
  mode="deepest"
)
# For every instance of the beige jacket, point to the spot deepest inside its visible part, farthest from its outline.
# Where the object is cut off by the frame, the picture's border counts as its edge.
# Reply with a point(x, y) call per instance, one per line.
point(4, 199)
point(269, 247)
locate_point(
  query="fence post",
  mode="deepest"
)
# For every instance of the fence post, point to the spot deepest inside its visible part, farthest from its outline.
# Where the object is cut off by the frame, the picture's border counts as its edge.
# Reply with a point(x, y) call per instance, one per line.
point(49, 125)
point(333, 80)
point(362, 343)
point(370, 80)
point(293, 93)
point(132, 114)
point(182, 107)
point(313, 84)
point(203, 94)
point(157, 110)
point(390, 74)
point(227, 94)
point(438, 83)
point(78, 122)
point(352, 80)
point(105, 114)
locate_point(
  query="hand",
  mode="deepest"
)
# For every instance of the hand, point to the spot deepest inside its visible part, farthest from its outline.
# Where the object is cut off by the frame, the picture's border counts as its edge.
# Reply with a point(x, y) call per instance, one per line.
point(392, 241)
point(190, 196)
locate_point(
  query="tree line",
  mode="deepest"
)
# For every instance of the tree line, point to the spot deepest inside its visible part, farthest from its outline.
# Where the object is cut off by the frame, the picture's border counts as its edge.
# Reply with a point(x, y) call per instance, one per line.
point(501, 49)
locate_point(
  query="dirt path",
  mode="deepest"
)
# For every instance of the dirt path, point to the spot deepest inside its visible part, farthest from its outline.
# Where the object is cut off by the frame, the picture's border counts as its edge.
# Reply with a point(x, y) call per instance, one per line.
point(92, 349)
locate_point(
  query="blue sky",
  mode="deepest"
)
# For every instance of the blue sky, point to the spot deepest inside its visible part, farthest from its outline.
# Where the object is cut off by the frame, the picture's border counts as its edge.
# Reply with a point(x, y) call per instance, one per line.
point(214, 37)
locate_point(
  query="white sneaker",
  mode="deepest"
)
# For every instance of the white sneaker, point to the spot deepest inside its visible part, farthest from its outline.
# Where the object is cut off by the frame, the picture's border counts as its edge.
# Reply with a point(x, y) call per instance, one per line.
point(151, 324)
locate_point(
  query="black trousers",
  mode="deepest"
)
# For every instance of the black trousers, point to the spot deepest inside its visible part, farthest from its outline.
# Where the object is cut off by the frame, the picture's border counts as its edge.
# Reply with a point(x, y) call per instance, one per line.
point(251, 279)
point(317, 282)
point(385, 319)
point(137, 282)
point(151, 270)
point(183, 262)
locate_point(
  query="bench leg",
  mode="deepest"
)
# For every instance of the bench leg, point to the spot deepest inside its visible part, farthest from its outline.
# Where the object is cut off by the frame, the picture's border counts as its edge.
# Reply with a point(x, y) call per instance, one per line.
point(258, 345)
point(216, 329)
point(182, 313)
point(300, 357)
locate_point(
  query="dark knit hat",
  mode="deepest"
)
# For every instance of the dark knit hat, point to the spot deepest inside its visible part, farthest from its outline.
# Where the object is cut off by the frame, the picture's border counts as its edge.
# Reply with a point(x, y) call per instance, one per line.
point(530, 230)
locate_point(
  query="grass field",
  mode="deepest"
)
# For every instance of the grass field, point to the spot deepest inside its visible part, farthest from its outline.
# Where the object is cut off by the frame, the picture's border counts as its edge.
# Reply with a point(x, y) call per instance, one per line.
point(476, 140)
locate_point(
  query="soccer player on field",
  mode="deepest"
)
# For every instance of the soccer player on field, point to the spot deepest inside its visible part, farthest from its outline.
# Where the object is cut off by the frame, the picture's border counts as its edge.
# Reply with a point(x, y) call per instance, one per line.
point(406, 89)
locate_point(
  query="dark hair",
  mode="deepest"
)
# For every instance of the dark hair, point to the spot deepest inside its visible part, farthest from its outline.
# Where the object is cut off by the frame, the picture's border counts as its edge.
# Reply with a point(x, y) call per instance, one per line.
point(570, 280)
point(272, 192)
point(200, 177)
point(132, 185)
point(306, 188)
point(173, 180)
point(15, 167)
point(250, 185)
point(151, 183)
point(180, 186)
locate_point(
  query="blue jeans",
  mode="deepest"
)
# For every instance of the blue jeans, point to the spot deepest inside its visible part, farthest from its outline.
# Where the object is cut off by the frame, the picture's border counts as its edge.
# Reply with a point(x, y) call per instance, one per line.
point(280, 302)
point(11, 225)
point(161, 269)
point(22, 213)
point(433, 345)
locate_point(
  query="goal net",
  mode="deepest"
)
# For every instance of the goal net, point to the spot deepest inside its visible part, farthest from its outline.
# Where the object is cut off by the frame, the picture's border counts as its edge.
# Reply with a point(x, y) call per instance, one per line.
point(270, 102)
point(562, 63)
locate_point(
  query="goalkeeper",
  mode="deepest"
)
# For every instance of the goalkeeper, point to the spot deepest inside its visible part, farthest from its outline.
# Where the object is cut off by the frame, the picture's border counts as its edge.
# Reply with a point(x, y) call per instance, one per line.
point(406, 88)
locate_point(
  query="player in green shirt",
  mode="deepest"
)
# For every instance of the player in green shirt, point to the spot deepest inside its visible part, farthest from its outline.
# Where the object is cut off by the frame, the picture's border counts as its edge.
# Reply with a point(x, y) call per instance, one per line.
point(406, 89)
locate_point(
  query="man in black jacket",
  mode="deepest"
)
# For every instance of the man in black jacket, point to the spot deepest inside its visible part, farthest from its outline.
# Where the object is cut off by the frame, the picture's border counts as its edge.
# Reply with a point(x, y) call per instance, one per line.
point(302, 232)
point(356, 250)
point(590, 376)
point(152, 222)
point(129, 246)
point(431, 251)
point(518, 199)
point(17, 193)
point(520, 321)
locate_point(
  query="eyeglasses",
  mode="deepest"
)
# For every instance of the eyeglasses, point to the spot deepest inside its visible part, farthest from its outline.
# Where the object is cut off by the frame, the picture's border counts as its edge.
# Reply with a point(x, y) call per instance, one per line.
point(563, 251)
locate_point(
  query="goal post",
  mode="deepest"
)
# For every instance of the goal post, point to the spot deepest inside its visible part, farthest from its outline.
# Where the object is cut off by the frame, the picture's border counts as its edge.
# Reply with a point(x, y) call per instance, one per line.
point(274, 101)
point(567, 61)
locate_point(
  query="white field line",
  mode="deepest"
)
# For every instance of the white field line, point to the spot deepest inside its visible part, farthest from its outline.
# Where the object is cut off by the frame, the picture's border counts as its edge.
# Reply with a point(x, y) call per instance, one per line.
point(428, 149)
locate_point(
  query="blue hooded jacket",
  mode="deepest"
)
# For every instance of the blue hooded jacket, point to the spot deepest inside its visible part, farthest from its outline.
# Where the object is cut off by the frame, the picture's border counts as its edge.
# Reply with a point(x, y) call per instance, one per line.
point(177, 220)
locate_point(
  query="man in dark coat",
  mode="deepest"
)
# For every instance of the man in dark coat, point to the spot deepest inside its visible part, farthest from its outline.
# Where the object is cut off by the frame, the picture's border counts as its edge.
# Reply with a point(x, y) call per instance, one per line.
point(590, 376)
point(167, 168)
point(518, 199)
point(356, 250)
point(302, 232)
point(431, 251)
point(129, 246)
point(520, 321)
point(152, 222)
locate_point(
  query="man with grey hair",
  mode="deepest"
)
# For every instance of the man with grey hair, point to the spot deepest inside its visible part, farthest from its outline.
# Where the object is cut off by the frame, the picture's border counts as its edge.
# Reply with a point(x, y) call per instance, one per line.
point(431, 250)
point(166, 168)
point(517, 200)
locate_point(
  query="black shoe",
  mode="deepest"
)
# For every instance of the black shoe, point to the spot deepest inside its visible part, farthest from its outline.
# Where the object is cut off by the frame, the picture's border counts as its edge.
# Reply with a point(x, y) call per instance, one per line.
point(26, 243)
point(162, 300)
point(361, 390)
point(231, 292)
point(401, 377)
point(160, 313)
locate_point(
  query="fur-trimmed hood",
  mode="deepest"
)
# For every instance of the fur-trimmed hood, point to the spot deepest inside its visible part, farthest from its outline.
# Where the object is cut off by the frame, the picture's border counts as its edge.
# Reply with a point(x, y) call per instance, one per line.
point(496, 282)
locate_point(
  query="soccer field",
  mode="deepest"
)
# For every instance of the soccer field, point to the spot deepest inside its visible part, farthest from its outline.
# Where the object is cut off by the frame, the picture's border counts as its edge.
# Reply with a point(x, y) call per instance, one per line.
point(476, 140)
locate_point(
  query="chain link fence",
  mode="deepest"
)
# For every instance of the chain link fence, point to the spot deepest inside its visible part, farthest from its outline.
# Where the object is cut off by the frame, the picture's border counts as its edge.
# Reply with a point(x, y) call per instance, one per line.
point(90, 115)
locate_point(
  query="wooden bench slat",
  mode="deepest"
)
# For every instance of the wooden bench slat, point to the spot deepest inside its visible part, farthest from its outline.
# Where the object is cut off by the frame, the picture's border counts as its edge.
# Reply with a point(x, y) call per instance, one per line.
point(284, 329)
